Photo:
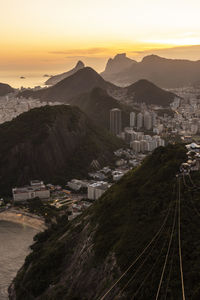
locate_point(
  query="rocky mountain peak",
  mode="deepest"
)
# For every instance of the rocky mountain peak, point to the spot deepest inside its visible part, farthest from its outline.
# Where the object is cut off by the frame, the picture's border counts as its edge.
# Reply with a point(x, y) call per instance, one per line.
point(79, 65)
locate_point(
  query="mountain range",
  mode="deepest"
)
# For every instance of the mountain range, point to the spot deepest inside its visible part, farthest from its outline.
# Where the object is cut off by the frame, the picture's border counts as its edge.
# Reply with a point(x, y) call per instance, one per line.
point(86, 79)
point(51, 143)
point(166, 73)
point(55, 79)
point(118, 248)
point(82, 81)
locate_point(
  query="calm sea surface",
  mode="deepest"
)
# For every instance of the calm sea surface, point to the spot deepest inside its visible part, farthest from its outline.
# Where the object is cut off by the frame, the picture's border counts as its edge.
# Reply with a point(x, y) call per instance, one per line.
point(29, 81)
point(15, 240)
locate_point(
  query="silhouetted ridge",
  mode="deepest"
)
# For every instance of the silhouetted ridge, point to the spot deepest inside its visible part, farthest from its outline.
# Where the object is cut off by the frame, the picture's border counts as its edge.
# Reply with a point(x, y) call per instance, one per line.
point(152, 58)
point(147, 92)
point(97, 105)
point(55, 79)
point(84, 80)
point(167, 73)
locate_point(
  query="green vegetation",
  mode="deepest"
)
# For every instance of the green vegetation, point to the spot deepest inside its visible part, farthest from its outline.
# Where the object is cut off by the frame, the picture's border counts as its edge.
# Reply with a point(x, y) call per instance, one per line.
point(122, 222)
point(141, 197)
point(38, 207)
point(46, 262)
point(51, 143)
point(33, 126)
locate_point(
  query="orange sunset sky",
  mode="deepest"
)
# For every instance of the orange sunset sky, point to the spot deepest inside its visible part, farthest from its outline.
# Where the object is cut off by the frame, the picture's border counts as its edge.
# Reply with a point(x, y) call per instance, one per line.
point(51, 35)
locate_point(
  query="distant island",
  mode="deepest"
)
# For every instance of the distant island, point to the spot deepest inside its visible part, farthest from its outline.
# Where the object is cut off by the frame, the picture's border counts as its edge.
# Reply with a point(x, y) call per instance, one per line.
point(46, 75)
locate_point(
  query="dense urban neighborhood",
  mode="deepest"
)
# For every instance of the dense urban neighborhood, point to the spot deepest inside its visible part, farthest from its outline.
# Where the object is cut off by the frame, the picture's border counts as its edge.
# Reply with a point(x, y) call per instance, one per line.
point(150, 126)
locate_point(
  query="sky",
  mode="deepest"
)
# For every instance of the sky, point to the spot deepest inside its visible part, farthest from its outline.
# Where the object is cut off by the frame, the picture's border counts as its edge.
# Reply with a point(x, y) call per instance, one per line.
point(51, 35)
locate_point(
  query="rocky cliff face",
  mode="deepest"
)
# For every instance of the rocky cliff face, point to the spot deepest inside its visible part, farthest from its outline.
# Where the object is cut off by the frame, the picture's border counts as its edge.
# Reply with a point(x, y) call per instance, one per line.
point(166, 73)
point(50, 143)
point(84, 258)
point(118, 64)
point(55, 79)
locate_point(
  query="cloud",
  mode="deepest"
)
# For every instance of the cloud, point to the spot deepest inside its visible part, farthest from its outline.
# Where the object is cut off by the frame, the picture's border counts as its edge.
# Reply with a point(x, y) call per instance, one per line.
point(181, 52)
point(81, 52)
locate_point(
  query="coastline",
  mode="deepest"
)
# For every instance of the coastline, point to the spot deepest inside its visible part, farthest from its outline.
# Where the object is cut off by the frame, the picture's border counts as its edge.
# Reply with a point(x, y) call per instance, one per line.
point(21, 217)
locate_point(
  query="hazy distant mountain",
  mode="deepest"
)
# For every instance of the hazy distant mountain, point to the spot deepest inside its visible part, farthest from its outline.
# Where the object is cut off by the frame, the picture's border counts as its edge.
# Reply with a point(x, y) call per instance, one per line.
point(167, 73)
point(147, 92)
point(5, 89)
point(52, 143)
point(55, 79)
point(97, 105)
point(82, 81)
point(86, 79)
point(118, 64)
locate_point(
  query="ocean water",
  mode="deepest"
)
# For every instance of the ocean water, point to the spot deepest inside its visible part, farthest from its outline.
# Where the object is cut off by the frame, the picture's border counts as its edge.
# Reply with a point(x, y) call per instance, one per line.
point(29, 80)
point(15, 240)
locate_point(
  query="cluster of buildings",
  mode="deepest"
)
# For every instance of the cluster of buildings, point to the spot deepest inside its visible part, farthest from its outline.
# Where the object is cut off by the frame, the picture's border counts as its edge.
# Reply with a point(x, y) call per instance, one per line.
point(94, 188)
point(77, 209)
point(102, 179)
point(186, 119)
point(145, 119)
point(153, 125)
point(138, 141)
point(36, 189)
point(79, 194)
point(97, 189)
point(11, 106)
point(193, 162)
point(141, 142)
point(77, 184)
point(73, 203)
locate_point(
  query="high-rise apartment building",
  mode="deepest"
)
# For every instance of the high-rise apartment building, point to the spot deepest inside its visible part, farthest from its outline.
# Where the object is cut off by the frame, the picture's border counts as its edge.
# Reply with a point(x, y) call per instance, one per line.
point(132, 119)
point(115, 121)
point(139, 120)
point(147, 121)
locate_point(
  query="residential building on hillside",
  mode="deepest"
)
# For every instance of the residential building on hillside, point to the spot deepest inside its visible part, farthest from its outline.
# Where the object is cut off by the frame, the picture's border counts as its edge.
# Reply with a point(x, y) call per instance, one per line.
point(36, 189)
point(96, 190)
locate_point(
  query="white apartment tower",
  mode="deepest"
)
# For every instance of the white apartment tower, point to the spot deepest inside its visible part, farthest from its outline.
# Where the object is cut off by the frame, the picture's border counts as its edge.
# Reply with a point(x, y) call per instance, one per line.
point(139, 120)
point(154, 116)
point(147, 121)
point(136, 146)
point(132, 119)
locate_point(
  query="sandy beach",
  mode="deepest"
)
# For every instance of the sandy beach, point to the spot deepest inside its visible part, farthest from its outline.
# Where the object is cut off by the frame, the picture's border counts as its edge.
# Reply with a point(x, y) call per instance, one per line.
point(21, 217)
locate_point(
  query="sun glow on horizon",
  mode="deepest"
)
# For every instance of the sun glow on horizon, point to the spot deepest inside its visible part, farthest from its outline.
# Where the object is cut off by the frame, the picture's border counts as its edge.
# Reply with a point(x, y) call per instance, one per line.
point(50, 34)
